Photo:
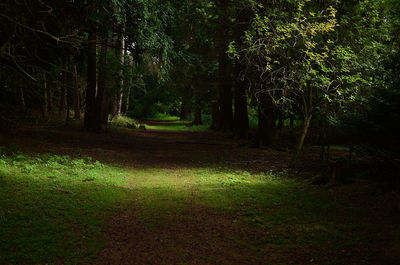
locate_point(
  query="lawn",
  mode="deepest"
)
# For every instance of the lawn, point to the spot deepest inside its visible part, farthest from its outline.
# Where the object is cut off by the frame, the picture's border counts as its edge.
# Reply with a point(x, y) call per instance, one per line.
point(178, 127)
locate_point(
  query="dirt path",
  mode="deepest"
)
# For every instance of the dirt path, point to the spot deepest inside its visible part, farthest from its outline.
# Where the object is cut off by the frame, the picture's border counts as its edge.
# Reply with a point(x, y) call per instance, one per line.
point(201, 237)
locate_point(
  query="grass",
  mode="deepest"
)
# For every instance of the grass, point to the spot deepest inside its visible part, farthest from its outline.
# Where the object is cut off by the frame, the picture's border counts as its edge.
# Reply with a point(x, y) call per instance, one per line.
point(53, 208)
point(123, 121)
point(279, 204)
point(179, 127)
point(163, 117)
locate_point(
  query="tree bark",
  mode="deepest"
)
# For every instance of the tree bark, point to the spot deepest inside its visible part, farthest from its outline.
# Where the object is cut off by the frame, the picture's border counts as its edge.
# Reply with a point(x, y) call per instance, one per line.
point(63, 96)
point(127, 98)
point(307, 110)
point(281, 121)
point(186, 106)
point(45, 100)
point(128, 92)
point(77, 101)
point(102, 93)
point(214, 114)
point(90, 109)
point(197, 116)
point(224, 73)
point(118, 104)
point(266, 134)
point(20, 94)
point(300, 143)
point(241, 119)
point(50, 96)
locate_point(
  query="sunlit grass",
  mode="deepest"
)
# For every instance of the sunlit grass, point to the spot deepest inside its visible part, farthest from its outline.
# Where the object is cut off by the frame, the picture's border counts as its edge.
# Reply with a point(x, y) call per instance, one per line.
point(53, 207)
point(178, 127)
point(163, 117)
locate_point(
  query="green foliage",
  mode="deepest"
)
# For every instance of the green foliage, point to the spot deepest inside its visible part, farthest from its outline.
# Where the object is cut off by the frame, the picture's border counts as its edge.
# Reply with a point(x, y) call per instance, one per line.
point(123, 121)
point(369, 117)
point(294, 54)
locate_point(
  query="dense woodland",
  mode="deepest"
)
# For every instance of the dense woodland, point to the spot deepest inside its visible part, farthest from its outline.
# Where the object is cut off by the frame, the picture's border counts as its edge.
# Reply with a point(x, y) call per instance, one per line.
point(296, 77)
point(332, 65)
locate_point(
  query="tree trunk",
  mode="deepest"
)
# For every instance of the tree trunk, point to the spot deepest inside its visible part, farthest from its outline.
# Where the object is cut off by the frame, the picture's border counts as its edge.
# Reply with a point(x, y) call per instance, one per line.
point(118, 104)
point(90, 109)
point(63, 96)
point(224, 74)
point(300, 143)
point(197, 116)
point(186, 112)
point(281, 121)
point(186, 106)
point(50, 96)
point(127, 96)
point(266, 134)
point(20, 95)
point(45, 96)
point(102, 93)
point(214, 114)
point(128, 92)
point(241, 120)
point(77, 101)
point(225, 95)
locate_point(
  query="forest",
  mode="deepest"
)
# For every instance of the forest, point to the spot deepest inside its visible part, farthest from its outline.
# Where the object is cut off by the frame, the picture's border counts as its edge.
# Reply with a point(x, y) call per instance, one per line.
point(200, 132)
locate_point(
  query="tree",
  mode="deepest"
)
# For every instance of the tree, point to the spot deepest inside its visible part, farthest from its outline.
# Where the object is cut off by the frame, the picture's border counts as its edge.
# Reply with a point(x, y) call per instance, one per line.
point(292, 52)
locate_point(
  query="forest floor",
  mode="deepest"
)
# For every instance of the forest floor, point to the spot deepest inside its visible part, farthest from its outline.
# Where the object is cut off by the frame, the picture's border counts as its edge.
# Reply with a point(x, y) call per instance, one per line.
point(181, 197)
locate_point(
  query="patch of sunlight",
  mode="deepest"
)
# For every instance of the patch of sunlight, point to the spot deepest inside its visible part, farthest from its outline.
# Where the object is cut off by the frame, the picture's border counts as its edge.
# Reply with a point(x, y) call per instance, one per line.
point(47, 198)
point(178, 127)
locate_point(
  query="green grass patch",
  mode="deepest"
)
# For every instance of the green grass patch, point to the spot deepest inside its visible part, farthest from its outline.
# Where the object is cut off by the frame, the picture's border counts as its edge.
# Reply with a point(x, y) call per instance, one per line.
point(163, 117)
point(53, 208)
point(194, 128)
